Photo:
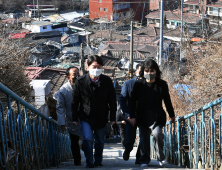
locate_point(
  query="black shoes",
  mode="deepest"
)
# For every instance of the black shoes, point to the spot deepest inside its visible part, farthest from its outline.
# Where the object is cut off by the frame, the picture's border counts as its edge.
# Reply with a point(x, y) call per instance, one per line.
point(98, 165)
point(90, 166)
point(137, 162)
point(77, 164)
point(126, 155)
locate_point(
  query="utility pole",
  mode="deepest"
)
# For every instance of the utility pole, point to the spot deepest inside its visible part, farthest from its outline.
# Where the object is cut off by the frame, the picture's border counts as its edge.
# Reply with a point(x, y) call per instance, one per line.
point(202, 20)
point(161, 34)
point(55, 6)
point(38, 8)
point(181, 36)
point(131, 52)
point(82, 60)
point(34, 6)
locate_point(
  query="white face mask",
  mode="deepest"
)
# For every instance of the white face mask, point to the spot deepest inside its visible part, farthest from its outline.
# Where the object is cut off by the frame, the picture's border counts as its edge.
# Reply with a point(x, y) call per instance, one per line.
point(95, 72)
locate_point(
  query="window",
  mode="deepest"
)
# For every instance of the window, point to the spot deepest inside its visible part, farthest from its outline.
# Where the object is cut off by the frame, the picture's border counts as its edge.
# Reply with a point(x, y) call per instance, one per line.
point(105, 9)
point(172, 23)
point(140, 4)
point(100, 0)
point(45, 27)
point(140, 13)
point(158, 21)
point(167, 2)
point(151, 21)
point(101, 9)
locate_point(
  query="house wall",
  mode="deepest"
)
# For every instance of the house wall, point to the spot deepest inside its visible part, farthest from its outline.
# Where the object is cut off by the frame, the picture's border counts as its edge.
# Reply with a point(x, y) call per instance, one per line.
point(96, 9)
point(138, 9)
point(45, 28)
point(33, 28)
point(168, 4)
point(63, 29)
point(171, 24)
point(36, 28)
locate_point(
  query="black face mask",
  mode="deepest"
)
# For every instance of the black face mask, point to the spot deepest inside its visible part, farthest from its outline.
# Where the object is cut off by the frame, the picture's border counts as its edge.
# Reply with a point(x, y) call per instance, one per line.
point(74, 79)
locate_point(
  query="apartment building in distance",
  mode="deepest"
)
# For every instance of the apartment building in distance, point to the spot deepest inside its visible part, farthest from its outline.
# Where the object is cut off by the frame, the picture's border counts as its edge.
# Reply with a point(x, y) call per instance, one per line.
point(114, 10)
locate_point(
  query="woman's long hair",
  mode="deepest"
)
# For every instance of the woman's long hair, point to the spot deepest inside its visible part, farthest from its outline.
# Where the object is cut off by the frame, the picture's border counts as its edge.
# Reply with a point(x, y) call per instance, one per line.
point(151, 64)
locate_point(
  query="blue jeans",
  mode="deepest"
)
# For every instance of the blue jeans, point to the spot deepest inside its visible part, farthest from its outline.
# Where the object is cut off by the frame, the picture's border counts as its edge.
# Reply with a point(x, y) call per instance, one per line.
point(88, 141)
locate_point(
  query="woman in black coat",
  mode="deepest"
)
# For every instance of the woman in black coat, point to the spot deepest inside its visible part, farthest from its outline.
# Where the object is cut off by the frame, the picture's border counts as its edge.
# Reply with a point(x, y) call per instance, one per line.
point(146, 102)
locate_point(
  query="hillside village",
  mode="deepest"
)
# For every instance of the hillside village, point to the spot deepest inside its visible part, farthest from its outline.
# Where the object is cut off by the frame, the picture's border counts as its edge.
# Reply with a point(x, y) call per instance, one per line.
point(39, 40)
point(55, 39)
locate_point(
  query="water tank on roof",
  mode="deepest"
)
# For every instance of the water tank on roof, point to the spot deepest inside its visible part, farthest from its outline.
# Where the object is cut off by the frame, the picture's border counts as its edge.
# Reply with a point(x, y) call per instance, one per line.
point(41, 90)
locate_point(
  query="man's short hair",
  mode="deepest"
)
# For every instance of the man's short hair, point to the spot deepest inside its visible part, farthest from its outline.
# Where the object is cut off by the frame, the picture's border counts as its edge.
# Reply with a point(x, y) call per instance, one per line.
point(94, 58)
point(68, 70)
point(137, 66)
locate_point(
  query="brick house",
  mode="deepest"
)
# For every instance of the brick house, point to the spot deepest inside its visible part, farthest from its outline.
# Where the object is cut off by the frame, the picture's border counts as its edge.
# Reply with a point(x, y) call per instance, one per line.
point(115, 9)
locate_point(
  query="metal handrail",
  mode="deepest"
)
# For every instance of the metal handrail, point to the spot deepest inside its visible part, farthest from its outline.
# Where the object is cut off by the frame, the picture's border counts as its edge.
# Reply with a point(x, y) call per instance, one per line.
point(34, 141)
point(189, 141)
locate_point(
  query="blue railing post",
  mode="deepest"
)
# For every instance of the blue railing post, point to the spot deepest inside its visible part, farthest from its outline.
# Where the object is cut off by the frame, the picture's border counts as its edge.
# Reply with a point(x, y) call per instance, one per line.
point(53, 141)
point(178, 142)
point(3, 141)
point(171, 147)
point(190, 142)
point(220, 131)
point(203, 141)
point(196, 143)
point(212, 138)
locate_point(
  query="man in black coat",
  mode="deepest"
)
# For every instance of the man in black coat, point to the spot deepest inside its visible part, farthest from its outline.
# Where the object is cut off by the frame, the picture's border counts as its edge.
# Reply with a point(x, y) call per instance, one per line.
point(124, 103)
point(94, 98)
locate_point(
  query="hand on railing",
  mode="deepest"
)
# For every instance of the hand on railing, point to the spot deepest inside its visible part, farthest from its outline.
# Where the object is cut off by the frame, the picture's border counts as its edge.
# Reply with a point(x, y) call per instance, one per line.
point(63, 127)
point(132, 121)
point(75, 123)
point(172, 119)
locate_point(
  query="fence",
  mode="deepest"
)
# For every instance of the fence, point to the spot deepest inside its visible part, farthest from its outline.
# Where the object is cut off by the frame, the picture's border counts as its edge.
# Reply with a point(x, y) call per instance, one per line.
point(195, 140)
point(29, 139)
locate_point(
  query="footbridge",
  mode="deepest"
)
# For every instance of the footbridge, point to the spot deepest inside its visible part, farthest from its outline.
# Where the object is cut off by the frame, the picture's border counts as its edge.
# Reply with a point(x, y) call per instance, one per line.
point(31, 140)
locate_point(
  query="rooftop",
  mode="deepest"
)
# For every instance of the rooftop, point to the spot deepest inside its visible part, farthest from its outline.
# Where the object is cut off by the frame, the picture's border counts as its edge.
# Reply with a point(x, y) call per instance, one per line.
point(175, 15)
point(192, 2)
point(41, 23)
point(57, 77)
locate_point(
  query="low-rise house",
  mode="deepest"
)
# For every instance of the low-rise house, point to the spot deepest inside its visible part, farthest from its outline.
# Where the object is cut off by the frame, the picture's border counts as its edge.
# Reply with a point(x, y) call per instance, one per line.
point(71, 39)
point(42, 26)
point(122, 50)
point(49, 35)
point(173, 18)
point(42, 55)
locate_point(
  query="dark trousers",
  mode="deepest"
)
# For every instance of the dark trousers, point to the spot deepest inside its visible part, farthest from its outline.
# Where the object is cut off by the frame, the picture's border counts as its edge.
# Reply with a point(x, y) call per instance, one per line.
point(115, 129)
point(75, 148)
point(158, 136)
point(122, 129)
point(130, 140)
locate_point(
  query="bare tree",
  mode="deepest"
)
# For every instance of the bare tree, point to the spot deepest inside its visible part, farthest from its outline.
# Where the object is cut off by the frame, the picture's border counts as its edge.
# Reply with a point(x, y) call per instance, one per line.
point(84, 5)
